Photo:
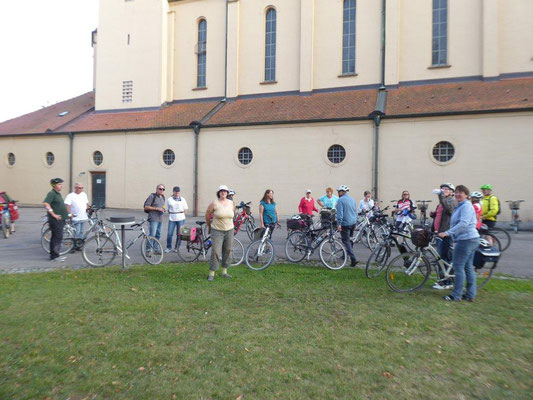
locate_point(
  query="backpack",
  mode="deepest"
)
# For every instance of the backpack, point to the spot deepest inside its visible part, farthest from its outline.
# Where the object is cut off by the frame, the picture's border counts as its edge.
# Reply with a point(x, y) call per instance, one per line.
point(152, 204)
point(499, 205)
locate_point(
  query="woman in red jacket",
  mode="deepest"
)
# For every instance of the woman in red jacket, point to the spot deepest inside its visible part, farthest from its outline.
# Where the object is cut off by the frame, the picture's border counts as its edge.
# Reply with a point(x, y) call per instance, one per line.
point(307, 204)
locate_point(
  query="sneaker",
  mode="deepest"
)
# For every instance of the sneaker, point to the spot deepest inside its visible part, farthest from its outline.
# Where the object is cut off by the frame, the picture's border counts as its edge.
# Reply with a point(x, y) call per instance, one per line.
point(167, 250)
point(353, 263)
point(225, 276)
point(59, 259)
point(467, 298)
point(210, 278)
point(449, 298)
point(176, 250)
point(439, 286)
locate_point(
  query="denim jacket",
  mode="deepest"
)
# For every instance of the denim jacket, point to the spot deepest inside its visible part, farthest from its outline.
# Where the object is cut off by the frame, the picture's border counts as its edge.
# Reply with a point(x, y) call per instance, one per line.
point(346, 211)
point(463, 222)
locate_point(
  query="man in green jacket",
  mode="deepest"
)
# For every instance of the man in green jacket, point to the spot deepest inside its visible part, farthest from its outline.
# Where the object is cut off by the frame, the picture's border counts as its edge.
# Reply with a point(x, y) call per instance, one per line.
point(57, 215)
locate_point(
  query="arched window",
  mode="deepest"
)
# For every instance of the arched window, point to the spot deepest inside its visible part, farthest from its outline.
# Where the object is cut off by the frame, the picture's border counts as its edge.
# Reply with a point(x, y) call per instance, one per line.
point(50, 158)
point(270, 46)
point(11, 159)
point(202, 54)
point(439, 45)
point(348, 37)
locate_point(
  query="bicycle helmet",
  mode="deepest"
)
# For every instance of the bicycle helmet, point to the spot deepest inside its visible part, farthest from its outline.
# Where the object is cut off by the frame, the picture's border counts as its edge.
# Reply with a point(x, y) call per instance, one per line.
point(476, 195)
point(343, 188)
point(55, 181)
point(484, 243)
point(486, 187)
point(448, 185)
point(296, 217)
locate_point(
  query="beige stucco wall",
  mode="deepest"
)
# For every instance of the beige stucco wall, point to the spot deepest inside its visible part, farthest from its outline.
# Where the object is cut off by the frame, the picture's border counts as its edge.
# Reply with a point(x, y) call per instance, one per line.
point(516, 35)
point(489, 149)
point(286, 159)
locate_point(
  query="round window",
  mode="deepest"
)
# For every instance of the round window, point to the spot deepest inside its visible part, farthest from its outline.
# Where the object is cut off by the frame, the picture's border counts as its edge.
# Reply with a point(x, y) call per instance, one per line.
point(443, 151)
point(50, 158)
point(11, 159)
point(245, 156)
point(336, 154)
point(169, 157)
point(98, 158)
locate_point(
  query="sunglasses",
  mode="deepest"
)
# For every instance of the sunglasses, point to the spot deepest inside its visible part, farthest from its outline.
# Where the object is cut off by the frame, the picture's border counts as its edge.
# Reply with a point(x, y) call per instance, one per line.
point(405, 194)
point(163, 189)
point(78, 187)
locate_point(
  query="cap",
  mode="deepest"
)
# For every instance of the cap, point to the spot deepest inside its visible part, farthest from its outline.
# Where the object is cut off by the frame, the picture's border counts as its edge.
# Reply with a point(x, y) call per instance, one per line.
point(223, 187)
point(56, 181)
point(176, 189)
point(308, 191)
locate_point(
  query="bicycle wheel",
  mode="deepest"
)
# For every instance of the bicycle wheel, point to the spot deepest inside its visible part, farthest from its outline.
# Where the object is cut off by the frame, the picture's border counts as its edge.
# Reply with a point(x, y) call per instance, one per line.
point(189, 252)
point(151, 250)
point(503, 236)
point(407, 272)
point(237, 252)
point(259, 254)
point(377, 261)
point(370, 239)
point(66, 244)
point(297, 246)
point(99, 251)
point(483, 275)
point(250, 227)
point(332, 253)
point(495, 241)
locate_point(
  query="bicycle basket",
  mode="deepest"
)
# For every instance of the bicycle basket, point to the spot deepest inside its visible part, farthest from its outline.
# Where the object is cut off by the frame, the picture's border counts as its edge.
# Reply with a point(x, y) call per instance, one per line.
point(514, 205)
point(258, 233)
point(420, 237)
point(485, 255)
point(327, 215)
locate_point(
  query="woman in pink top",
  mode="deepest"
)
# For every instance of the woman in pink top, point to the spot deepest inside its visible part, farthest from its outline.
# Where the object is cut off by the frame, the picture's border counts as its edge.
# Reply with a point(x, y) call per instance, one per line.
point(307, 204)
point(475, 198)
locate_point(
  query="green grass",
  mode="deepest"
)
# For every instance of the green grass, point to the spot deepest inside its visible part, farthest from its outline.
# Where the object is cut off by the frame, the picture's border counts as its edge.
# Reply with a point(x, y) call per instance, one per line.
point(289, 332)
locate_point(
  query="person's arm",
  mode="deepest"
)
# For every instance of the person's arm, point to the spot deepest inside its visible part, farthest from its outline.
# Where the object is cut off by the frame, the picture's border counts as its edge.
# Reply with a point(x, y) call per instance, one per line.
point(210, 210)
point(340, 213)
point(148, 204)
point(313, 204)
point(50, 211)
point(492, 209)
point(462, 224)
point(320, 203)
point(277, 215)
point(261, 210)
point(300, 206)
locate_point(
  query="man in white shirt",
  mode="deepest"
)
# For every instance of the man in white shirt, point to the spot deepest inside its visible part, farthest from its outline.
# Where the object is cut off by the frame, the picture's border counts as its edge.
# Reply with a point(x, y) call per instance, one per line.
point(176, 206)
point(77, 204)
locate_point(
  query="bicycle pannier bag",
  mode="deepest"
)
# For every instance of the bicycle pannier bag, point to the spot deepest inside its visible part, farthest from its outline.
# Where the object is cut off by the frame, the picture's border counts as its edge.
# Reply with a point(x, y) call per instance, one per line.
point(258, 233)
point(485, 255)
point(188, 234)
point(297, 224)
point(420, 238)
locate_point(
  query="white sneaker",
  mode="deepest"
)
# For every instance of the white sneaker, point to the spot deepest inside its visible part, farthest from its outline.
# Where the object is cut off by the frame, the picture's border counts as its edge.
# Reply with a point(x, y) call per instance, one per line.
point(59, 259)
point(438, 286)
point(167, 250)
point(175, 250)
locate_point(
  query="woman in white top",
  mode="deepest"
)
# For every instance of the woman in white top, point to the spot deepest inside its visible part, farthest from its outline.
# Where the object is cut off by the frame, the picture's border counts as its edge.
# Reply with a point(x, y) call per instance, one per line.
point(221, 229)
point(176, 206)
point(366, 204)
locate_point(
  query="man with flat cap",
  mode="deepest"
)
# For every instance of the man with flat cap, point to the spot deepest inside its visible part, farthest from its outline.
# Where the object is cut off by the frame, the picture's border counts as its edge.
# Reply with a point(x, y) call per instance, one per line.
point(176, 206)
point(57, 215)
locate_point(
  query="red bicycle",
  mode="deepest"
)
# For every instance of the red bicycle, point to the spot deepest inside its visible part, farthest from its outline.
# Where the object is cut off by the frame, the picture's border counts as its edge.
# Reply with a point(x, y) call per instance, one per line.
point(244, 217)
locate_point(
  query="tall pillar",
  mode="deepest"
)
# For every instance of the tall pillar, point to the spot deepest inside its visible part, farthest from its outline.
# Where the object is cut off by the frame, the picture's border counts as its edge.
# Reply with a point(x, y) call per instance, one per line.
point(232, 71)
point(490, 39)
point(307, 28)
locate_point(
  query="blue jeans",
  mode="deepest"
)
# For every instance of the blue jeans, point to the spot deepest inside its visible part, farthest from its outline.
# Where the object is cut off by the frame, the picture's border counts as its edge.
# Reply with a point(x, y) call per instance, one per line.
point(346, 232)
point(172, 225)
point(78, 228)
point(155, 229)
point(463, 258)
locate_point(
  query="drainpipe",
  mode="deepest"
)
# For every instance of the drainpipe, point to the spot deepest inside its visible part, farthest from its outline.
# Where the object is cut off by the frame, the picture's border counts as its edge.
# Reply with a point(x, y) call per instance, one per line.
point(195, 125)
point(377, 116)
point(71, 151)
point(226, 56)
point(383, 41)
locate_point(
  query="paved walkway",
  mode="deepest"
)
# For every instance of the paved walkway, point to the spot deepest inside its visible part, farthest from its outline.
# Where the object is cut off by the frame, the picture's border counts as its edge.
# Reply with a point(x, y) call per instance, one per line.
point(22, 252)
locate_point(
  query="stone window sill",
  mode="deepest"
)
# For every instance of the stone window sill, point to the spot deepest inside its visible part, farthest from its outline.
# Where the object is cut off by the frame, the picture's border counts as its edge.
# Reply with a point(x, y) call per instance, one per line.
point(200, 88)
point(439, 66)
point(347, 75)
point(268, 82)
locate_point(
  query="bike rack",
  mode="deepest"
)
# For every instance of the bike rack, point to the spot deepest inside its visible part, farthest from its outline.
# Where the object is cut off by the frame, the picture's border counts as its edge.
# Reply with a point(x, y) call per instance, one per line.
point(122, 222)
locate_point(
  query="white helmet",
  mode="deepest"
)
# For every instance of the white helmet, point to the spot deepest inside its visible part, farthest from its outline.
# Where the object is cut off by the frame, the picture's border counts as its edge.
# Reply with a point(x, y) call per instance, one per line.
point(476, 195)
point(343, 188)
point(231, 192)
point(296, 217)
point(448, 185)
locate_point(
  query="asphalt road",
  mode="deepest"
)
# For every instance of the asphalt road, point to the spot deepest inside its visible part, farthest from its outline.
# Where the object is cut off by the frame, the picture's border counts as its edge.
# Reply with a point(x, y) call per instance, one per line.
point(22, 252)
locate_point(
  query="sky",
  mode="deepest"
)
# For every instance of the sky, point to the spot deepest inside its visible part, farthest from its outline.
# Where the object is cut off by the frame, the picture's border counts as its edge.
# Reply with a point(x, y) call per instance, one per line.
point(46, 53)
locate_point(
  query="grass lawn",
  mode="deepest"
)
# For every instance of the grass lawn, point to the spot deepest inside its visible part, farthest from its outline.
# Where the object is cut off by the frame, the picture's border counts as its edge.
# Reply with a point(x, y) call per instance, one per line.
point(289, 332)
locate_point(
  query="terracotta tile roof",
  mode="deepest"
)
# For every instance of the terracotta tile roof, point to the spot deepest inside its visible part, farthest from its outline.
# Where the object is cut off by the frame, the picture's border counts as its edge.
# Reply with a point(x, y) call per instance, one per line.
point(460, 97)
point(175, 115)
point(48, 118)
point(318, 106)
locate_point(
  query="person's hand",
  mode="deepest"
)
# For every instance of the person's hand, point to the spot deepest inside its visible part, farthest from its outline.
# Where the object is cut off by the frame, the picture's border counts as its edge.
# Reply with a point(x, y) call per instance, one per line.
point(339, 228)
point(442, 235)
point(57, 217)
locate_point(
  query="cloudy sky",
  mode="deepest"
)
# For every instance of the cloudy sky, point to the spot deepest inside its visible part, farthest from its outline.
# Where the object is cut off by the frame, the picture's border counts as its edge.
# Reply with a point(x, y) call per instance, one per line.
point(46, 53)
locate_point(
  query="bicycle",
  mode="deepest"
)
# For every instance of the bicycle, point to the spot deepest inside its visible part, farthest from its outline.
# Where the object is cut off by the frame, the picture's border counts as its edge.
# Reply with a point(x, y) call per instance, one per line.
point(514, 205)
point(408, 272)
point(102, 248)
point(423, 207)
point(331, 251)
point(260, 253)
point(244, 217)
point(190, 251)
point(363, 232)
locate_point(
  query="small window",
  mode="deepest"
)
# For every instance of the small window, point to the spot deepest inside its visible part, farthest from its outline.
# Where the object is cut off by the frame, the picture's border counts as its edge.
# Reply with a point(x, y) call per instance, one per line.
point(50, 158)
point(127, 91)
point(336, 154)
point(443, 151)
point(11, 159)
point(245, 156)
point(169, 157)
point(98, 158)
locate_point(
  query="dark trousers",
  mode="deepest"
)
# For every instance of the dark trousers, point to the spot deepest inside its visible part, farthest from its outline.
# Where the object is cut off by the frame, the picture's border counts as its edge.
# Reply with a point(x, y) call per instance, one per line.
point(56, 227)
point(346, 232)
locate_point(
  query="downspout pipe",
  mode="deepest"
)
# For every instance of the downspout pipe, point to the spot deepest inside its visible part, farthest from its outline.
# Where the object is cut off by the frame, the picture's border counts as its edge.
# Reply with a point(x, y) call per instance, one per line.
point(196, 126)
point(377, 115)
point(71, 159)
point(383, 41)
point(226, 56)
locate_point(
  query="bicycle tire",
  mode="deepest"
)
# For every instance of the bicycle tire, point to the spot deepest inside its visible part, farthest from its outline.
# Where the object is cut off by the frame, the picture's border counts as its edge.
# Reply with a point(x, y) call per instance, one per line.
point(99, 251)
point(332, 253)
point(259, 254)
point(5, 226)
point(151, 250)
point(483, 275)
point(503, 236)
point(237, 252)
point(371, 239)
point(401, 282)
point(377, 261)
point(250, 227)
point(189, 252)
point(296, 247)
point(495, 241)
point(66, 244)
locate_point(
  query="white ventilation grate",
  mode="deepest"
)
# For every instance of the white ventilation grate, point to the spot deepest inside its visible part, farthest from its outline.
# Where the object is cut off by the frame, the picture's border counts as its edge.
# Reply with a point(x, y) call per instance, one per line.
point(127, 91)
